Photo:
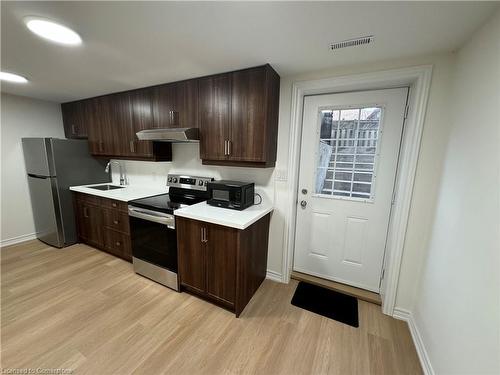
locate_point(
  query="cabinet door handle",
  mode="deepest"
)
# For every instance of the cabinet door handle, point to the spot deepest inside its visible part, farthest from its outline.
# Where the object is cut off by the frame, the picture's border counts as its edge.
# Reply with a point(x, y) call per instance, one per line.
point(118, 243)
point(204, 235)
point(173, 117)
point(73, 129)
point(113, 204)
point(85, 212)
point(115, 222)
point(229, 147)
point(225, 147)
point(132, 146)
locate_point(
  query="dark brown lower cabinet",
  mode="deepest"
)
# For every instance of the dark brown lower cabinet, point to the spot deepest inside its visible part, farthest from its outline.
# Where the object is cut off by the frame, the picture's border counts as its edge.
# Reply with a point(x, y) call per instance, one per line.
point(89, 223)
point(103, 223)
point(222, 264)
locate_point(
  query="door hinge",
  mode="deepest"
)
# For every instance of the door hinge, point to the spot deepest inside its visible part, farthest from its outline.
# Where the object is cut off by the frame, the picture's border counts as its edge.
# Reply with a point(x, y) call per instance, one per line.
point(407, 109)
point(383, 274)
point(393, 200)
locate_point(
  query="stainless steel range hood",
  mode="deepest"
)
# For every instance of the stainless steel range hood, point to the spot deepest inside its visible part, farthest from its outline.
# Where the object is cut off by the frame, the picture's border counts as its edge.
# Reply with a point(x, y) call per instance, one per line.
point(174, 135)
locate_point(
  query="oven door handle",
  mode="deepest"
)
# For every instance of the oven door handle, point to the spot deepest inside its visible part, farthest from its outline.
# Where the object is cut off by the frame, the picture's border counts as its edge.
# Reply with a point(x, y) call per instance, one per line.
point(157, 217)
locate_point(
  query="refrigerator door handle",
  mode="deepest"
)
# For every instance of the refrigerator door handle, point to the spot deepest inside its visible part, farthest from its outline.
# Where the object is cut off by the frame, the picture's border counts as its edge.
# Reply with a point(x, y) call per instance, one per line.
point(38, 176)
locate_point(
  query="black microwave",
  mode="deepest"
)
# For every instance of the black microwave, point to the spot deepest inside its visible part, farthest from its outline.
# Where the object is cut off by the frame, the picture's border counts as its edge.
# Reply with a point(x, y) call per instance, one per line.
point(231, 194)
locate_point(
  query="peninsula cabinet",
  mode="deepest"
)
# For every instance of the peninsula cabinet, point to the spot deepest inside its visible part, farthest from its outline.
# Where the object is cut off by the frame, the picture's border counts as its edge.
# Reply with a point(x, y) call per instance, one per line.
point(222, 264)
point(239, 117)
point(104, 224)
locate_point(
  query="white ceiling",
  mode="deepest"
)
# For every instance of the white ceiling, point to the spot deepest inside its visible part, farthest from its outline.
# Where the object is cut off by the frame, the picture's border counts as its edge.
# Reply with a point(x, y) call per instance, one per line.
point(134, 44)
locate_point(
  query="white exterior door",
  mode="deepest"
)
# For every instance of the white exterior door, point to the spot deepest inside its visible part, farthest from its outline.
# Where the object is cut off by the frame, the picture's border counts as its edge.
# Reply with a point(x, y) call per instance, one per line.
point(349, 155)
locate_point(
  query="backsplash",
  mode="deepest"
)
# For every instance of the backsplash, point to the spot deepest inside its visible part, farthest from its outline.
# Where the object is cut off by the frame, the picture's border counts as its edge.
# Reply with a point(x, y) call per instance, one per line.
point(186, 161)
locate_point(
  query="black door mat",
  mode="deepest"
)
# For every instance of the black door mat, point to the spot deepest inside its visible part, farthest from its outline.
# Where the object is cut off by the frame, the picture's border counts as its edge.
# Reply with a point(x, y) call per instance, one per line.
point(326, 302)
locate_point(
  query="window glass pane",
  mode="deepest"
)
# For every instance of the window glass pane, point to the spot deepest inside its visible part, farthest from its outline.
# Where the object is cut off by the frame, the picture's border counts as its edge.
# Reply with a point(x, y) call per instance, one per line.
point(349, 115)
point(364, 177)
point(344, 166)
point(341, 194)
point(364, 167)
point(361, 188)
point(328, 185)
point(365, 158)
point(343, 176)
point(345, 186)
point(326, 124)
point(372, 113)
point(356, 195)
point(345, 158)
point(347, 148)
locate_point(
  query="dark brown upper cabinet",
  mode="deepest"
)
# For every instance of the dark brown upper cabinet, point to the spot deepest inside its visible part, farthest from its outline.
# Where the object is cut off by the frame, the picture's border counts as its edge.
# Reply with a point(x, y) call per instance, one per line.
point(75, 119)
point(116, 119)
point(175, 105)
point(215, 116)
point(239, 117)
point(141, 112)
point(100, 131)
point(237, 113)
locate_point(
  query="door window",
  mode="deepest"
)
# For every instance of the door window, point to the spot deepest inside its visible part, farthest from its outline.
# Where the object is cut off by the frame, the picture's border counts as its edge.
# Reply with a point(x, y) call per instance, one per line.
point(347, 152)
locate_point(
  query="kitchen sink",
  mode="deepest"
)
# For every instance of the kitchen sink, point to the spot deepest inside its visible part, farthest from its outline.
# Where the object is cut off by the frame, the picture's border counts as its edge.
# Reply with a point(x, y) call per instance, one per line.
point(106, 187)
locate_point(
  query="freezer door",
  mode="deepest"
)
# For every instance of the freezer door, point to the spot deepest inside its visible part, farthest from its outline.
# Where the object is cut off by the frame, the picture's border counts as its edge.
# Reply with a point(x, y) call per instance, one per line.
point(46, 209)
point(38, 156)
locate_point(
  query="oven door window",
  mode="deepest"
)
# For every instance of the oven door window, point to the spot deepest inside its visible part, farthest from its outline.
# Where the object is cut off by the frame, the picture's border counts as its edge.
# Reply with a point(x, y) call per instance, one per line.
point(154, 243)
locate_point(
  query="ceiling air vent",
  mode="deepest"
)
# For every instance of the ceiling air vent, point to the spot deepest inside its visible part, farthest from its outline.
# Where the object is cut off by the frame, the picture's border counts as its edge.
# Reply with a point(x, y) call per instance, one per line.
point(352, 42)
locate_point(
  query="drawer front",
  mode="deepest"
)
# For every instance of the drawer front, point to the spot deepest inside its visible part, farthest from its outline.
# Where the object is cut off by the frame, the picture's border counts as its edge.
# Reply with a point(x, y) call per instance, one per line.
point(115, 205)
point(117, 220)
point(87, 198)
point(117, 243)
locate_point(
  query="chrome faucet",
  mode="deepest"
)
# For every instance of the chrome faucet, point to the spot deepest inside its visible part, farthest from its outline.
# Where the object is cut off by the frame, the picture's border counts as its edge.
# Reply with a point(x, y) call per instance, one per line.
point(122, 171)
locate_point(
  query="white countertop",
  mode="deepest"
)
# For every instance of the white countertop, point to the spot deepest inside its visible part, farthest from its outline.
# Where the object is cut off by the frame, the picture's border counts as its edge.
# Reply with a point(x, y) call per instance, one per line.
point(224, 216)
point(200, 211)
point(128, 193)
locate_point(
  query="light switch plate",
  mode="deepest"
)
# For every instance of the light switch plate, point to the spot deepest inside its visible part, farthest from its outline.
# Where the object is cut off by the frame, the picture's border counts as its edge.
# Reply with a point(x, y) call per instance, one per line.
point(281, 175)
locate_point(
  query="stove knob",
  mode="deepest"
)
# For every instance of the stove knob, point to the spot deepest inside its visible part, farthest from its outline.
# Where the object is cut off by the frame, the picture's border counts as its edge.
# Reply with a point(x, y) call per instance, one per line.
point(200, 183)
point(206, 183)
point(175, 180)
point(170, 179)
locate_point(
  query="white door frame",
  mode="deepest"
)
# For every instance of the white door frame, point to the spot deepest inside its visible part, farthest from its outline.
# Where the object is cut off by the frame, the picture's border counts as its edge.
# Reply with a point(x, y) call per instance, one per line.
point(419, 80)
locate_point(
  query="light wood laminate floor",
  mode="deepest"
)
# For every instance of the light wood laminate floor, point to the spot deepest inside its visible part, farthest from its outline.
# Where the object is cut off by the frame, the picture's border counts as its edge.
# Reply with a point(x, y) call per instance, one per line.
point(81, 309)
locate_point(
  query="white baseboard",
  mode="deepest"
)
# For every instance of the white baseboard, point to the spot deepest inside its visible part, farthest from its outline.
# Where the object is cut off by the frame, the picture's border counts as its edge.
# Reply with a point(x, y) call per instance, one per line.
point(274, 276)
point(18, 239)
point(407, 316)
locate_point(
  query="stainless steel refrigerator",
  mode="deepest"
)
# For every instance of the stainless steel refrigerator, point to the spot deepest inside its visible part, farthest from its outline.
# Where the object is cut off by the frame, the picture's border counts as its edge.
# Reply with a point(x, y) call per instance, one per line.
point(53, 165)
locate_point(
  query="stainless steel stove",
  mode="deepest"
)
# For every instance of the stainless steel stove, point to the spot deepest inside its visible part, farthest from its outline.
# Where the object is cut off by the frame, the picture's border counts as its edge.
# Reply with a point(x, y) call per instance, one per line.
point(152, 227)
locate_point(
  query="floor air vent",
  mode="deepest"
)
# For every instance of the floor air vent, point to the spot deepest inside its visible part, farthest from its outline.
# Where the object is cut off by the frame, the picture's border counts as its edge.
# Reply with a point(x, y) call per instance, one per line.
point(352, 42)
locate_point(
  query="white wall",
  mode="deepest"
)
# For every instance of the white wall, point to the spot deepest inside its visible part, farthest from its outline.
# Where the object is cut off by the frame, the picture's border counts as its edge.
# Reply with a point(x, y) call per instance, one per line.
point(21, 117)
point(457, 309)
